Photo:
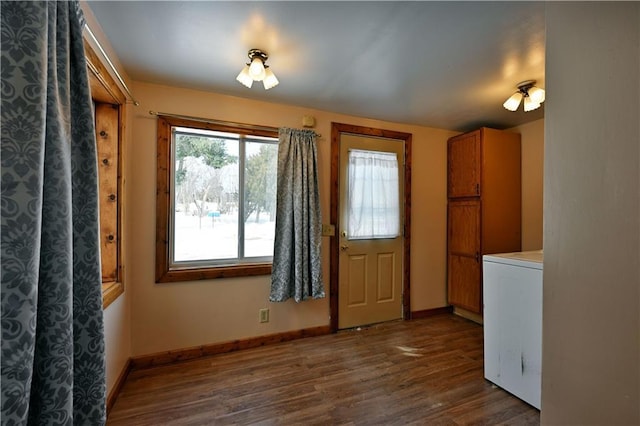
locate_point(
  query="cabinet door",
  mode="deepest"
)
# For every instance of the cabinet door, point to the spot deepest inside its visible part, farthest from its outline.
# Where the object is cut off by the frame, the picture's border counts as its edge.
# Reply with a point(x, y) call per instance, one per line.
point(464, 267)
point(463, 159)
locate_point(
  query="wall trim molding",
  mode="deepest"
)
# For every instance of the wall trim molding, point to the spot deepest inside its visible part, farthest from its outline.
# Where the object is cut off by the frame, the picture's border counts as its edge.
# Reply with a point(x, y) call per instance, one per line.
point(177, 355)
point(185, 354)
point(117, 387)
point(426, 313)
point(471, 316)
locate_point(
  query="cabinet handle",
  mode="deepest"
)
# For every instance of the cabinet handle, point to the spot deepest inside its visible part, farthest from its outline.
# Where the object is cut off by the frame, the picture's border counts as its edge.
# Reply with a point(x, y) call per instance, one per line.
point(477, 189)
point(477, 257)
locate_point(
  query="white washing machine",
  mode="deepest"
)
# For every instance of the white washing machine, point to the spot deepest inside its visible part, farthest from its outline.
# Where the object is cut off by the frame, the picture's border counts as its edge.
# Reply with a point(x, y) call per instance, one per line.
point(512, 295)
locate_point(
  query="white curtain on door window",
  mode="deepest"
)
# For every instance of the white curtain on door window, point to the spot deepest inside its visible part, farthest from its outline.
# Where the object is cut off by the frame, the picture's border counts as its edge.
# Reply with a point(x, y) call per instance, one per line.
point(374, 204)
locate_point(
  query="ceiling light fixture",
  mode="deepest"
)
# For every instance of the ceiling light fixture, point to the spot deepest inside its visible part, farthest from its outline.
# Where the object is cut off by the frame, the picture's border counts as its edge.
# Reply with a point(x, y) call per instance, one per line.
point(533, 97)
point(257, 70)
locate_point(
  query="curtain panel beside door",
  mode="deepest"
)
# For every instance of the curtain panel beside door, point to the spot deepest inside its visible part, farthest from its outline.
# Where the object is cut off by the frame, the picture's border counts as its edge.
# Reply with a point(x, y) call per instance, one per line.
point(297, 268)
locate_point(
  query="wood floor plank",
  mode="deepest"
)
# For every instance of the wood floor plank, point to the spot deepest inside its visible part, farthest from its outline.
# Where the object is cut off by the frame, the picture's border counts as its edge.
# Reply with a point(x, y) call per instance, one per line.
point(426, 371)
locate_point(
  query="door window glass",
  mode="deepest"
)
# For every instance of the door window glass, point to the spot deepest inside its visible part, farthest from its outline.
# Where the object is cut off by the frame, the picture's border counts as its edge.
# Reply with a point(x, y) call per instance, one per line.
point(373, 198)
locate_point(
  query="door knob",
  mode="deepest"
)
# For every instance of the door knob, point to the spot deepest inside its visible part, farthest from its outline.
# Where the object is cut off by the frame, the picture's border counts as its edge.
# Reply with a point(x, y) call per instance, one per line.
point(344, 247)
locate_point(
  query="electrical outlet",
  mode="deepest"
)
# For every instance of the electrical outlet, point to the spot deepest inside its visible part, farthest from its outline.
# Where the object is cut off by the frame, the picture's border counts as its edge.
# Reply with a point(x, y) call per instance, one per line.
point(264, 315)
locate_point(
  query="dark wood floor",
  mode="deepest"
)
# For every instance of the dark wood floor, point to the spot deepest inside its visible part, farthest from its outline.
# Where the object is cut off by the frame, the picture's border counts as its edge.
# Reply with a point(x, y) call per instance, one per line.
point(426, 372)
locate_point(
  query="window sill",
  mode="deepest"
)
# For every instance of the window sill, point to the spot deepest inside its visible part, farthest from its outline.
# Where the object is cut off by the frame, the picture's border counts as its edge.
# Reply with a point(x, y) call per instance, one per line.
point(110, 292)
point(166, 275)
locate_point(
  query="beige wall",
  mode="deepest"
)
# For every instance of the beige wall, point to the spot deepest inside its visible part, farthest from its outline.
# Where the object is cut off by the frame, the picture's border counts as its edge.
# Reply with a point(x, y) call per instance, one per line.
point(179, 315)
point(152, 317)
point(532, 140)
point(173, 316)
point(117, 321)
point(117, 332)
point(238, 300)
point(591, 301)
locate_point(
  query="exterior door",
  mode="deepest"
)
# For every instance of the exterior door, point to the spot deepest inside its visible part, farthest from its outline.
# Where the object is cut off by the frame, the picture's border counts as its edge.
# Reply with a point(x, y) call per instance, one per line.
point(370, 235)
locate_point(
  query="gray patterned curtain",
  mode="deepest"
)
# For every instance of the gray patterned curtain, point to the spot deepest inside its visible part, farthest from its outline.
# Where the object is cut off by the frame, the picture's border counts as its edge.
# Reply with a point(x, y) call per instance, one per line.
point(53, 366)
point(297, 270)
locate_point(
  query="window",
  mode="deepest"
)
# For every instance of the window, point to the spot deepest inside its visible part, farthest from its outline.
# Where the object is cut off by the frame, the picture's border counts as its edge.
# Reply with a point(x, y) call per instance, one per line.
point(109, 106)
point(374, 210)
point(109, 184)
point(216, 200)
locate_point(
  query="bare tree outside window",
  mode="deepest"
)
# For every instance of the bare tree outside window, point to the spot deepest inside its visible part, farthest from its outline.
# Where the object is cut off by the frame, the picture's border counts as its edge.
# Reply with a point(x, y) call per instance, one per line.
point(216, 199)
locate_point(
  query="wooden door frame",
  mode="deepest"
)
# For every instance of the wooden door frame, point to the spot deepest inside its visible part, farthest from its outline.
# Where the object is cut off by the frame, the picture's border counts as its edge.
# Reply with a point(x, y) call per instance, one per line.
point(337, 129)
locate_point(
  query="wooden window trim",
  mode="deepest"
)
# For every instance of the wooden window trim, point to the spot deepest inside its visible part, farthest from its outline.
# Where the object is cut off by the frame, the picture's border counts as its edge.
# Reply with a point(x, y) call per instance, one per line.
point(104, 89)
point(110, 292)
point(164, 272)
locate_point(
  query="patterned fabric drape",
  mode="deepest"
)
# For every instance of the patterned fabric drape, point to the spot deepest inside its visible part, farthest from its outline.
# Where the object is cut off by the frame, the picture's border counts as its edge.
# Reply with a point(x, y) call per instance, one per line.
point(53, 365)
point(297, 269)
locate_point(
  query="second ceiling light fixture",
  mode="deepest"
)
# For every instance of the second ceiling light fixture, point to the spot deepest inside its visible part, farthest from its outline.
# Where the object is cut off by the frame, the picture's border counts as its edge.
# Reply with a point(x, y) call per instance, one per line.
point(533, 97)
point(257, 70)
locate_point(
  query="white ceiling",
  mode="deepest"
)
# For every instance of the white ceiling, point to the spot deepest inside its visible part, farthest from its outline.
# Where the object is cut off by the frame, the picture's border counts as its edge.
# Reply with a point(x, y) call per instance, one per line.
point(449, 65)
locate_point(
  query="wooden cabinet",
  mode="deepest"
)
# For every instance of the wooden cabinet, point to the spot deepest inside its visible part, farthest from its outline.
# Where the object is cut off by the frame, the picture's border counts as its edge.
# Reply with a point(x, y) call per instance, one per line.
point(464, 248)
point(463, 174)
point(484, 208)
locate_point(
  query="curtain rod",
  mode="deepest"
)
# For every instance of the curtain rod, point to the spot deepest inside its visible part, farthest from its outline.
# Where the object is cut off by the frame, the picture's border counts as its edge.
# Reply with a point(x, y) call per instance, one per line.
point(113, 68)
point(220, 122)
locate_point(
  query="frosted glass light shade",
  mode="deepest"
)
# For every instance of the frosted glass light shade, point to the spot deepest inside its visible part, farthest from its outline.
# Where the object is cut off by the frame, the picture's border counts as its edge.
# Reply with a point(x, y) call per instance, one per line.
point(270, 79)
point(536, 94)
point(530, 104)
point(244, 77)
point(513, 102)
point(256, 69)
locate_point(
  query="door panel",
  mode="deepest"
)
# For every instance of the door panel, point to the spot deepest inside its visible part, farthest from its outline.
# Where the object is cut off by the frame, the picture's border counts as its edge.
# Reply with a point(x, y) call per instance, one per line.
point(357, 281)
point(386, 277)
point(464, 227)
point(464, 263)
point(370, 268)
point(464, 283)
point(464, 166)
